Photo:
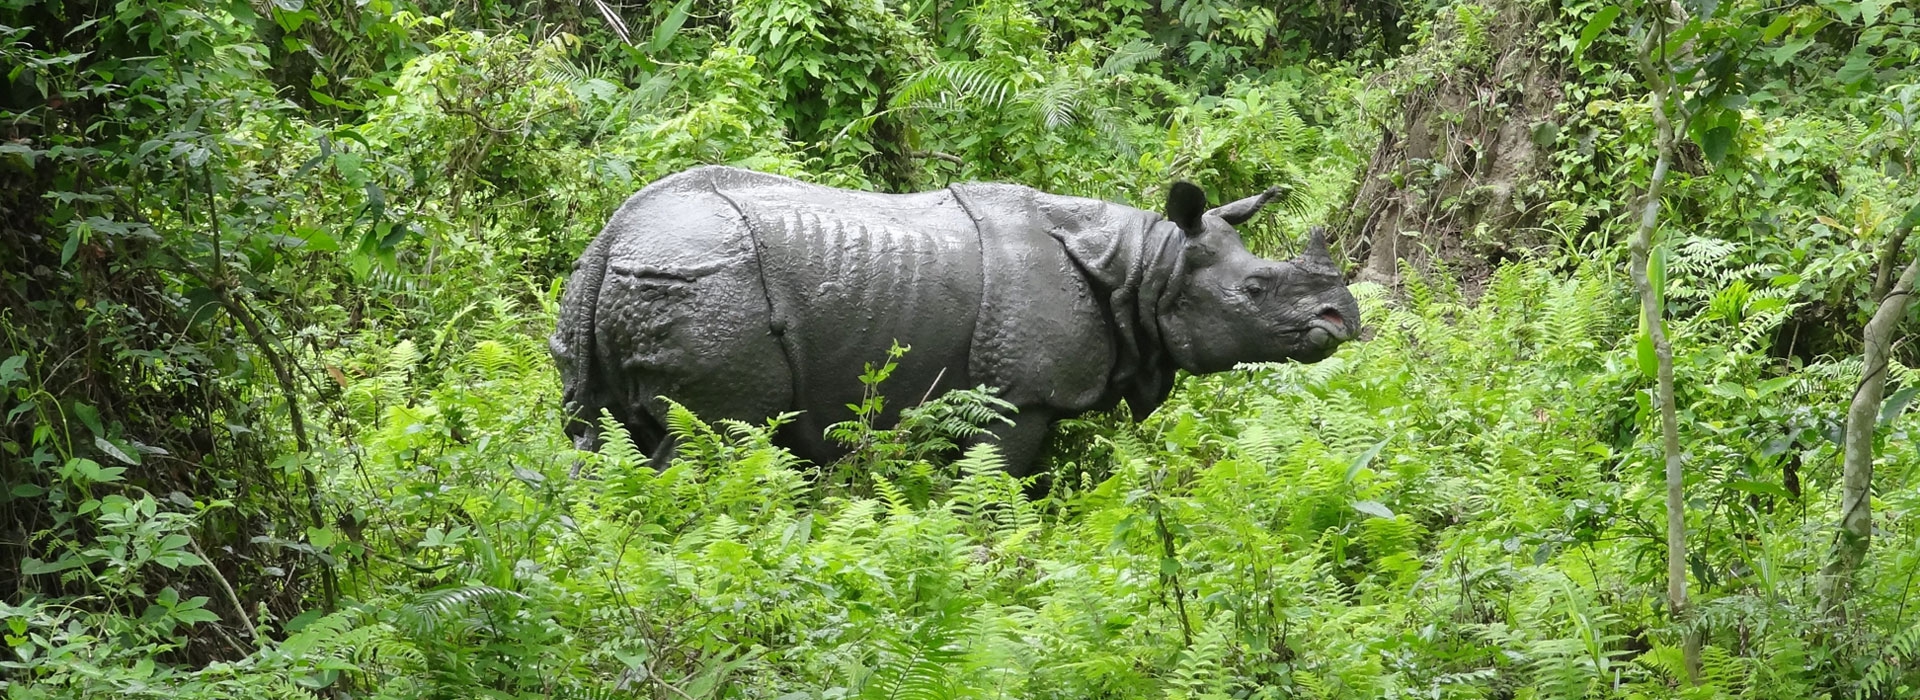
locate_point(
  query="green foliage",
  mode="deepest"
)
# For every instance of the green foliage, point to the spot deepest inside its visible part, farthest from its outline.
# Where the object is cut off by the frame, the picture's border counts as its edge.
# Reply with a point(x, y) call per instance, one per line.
point(280, 419)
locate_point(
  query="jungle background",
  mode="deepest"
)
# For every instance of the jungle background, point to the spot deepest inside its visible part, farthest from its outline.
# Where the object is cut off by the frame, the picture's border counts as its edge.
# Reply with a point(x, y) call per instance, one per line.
point(279, 419)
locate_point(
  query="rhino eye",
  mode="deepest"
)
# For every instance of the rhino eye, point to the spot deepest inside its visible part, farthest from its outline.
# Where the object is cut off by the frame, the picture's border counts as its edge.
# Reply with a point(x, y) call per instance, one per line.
point(1253, 287)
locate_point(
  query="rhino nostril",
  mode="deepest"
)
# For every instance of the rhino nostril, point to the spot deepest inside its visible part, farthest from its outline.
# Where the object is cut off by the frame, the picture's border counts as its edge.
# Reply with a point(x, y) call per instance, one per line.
point(1332, 315)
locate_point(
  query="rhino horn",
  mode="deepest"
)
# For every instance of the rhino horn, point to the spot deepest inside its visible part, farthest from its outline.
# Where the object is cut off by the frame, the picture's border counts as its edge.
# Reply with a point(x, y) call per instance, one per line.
point(1316, 252)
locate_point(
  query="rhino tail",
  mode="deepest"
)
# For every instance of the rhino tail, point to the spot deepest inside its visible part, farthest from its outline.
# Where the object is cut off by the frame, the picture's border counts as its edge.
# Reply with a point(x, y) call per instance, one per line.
point(575, 350)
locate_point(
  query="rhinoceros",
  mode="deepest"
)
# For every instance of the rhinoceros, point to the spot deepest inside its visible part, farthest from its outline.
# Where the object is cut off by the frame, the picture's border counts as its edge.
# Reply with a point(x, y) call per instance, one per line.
point(745, 295)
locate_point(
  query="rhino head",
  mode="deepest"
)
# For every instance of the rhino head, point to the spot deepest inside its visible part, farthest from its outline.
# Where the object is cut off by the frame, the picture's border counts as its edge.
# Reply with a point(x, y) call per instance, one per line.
point(1237, 307)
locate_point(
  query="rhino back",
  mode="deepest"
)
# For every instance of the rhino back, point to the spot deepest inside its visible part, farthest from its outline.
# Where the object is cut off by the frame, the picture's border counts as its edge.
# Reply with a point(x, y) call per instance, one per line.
point(848, 274)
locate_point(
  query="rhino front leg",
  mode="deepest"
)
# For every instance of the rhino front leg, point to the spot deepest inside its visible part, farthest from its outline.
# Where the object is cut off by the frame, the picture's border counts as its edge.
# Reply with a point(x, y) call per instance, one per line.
point(1021, 441)
point(663, 455)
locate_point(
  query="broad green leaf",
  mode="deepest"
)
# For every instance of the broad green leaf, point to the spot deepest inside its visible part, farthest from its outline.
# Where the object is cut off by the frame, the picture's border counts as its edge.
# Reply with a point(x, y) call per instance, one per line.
point(1727, 390)
point(1870, 11)
point(1373, 508)
point(1657, 277)
point(1601, 21)
point(669, 27)
point(90, 417)
point(1760, 488)
point(1677, 41)
point(114, 451)
point(1778, 27)
point(321, 538)
point(1897, 404)
point(34, 567)
point(1644, 353)
point(300, 621)
point(316, 240)
point(1715, 143)
point(1366, 458)
point(1859, 67)
point(1788, 50)
point(349, 165)
point(196, 615)
point(1768, 387)
point(26, 153)
point(1912, 219)
point(10, 370)
point(87, 470)
point(70, 247)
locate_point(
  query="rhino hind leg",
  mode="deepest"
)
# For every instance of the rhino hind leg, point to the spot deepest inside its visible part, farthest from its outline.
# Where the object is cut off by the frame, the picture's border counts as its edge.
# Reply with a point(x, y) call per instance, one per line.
point(767, 392)
point(684, 315)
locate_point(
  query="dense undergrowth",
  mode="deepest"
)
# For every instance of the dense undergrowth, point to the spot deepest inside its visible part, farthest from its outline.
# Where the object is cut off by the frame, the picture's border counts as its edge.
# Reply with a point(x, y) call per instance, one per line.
point(280, 419)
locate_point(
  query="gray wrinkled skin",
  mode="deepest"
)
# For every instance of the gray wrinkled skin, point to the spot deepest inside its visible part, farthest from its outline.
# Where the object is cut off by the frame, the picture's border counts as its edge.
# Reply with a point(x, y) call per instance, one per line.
point(744, 295)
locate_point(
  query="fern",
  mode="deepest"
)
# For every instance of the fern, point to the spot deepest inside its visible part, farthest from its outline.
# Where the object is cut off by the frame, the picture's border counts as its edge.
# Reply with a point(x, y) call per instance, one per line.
point(616, 444)
point(1058, 103)
point(1129, 56)
point(1201, 672)
point(897, 501)
point(493, 359)
point(380, 647)
point(951, 82)
point(318, 635)
point(424, 615)
point(1421, 295)
point(855, 519)
point(1893, 667)
point(921, 666)
point(401, 361)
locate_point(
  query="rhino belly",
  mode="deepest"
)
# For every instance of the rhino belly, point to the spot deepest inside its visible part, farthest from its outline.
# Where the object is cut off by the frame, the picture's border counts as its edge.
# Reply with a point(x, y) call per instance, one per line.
point(850, 274)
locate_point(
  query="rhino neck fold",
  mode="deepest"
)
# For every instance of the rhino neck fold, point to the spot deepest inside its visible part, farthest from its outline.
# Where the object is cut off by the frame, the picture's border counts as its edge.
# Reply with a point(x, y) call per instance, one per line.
point(1160, 274)
point(1131, 267)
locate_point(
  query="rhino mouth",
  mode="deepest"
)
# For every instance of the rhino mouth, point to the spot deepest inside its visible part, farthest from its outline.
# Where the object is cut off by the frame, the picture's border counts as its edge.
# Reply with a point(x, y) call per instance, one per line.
point(1333, 328)
point(1320, 337)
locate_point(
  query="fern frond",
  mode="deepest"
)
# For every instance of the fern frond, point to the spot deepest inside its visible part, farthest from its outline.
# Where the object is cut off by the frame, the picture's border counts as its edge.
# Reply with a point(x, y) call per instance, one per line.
point(493, 359)
point(1130, 56)
point(1201, 669)
point(1057, 102)
point(318, 636)
point(1897, 661)
point(922, 666)
point(897, 501)
point(402, 359)
point(428, 610)
point(616, 444)
point(953, 82)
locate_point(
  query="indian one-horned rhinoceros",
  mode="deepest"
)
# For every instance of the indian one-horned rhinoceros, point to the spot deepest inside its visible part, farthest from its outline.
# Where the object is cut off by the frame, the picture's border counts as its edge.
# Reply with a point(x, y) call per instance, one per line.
point(745, 295)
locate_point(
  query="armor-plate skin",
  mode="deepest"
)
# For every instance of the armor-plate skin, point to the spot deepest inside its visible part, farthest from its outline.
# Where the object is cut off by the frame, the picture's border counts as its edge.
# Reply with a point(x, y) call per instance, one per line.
point(744, 295)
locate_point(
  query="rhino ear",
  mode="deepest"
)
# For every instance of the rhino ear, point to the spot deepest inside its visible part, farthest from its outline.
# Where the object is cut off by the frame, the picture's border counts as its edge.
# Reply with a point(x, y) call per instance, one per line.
point(1186, 204)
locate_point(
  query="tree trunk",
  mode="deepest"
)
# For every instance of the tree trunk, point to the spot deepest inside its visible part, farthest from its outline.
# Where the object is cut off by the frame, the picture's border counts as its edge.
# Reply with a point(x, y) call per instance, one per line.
point(1856, 485)
point(1659, 78)
point(1450, 180)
